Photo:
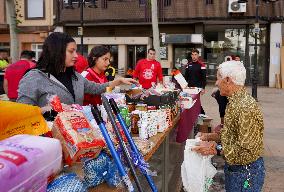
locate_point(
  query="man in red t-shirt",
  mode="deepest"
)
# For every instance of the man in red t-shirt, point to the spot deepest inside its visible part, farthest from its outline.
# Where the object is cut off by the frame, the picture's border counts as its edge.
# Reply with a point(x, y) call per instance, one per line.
point(15, 72)
point(81, 63)
point(148, 70)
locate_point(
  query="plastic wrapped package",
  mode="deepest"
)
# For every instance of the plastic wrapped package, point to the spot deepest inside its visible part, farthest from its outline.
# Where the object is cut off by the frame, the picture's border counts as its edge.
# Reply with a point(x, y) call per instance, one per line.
point(101, 169)
point(78, 138)
point(143, 145)
point(27, 161)
point(151, 117)
point(186, 102)
point(67, 183)
point(109, 126)
point(17, 118)
point(119, 98)
point(162, 120)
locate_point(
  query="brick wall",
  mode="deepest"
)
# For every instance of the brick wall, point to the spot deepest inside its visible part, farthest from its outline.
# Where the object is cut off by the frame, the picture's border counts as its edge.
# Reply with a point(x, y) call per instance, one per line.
point(130, 11)
point(2, 12)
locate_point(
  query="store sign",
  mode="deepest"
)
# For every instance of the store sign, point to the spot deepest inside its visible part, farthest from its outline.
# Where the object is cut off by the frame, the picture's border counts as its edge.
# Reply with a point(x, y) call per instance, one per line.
point(80, 31)
point(184, 38)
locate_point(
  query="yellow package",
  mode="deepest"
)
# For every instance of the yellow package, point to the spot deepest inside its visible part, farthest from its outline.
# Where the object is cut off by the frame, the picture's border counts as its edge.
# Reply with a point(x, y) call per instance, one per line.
point(17, 118)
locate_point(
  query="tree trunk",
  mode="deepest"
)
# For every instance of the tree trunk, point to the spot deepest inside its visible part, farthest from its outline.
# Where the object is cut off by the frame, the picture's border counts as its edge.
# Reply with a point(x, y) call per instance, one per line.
point(155, 28)
point(11, 19)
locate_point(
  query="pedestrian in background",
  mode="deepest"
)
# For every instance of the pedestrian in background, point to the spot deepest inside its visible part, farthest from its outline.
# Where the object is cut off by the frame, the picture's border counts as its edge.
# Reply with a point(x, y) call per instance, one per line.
point(195, 73)
point(110, 72)
point(15, 72)
point(237, 58)
point(242, 135)
point(4, 59)
point(148, 70)
point(81, 63)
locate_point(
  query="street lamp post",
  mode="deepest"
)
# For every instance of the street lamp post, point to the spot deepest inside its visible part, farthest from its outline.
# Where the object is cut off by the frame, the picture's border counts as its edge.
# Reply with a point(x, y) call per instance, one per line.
point(81, 25)
point(255, 67)
point(256, 32)
point(81, 3)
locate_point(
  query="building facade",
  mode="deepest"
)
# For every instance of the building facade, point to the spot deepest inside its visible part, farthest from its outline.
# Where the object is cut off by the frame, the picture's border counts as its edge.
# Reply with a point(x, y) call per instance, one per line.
point(35, 21)
point(218, 28)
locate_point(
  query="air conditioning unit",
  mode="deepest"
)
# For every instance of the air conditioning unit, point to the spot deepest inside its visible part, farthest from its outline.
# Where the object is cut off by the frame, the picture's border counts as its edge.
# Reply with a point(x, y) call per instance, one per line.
point(235, 7)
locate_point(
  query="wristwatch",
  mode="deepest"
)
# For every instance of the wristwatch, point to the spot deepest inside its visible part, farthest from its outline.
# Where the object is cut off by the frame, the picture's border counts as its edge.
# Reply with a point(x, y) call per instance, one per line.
point(219, 149)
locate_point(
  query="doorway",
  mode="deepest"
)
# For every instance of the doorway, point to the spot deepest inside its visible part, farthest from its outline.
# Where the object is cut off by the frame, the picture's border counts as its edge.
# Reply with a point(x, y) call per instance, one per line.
point(134, 54)
point(182, 56)
point(262, 64)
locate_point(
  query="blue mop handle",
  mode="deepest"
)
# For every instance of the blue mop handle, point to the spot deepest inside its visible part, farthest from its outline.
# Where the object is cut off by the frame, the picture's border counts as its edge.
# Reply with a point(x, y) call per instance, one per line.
point(130, 140)
point(111, 147)
point(123, 146)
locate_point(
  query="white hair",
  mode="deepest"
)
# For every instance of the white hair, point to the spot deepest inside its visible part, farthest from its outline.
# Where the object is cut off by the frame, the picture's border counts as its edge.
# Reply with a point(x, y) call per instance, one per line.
point(234, 70)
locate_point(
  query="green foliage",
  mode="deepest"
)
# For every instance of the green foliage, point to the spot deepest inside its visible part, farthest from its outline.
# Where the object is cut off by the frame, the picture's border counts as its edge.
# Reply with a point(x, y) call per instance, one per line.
point(18, 16)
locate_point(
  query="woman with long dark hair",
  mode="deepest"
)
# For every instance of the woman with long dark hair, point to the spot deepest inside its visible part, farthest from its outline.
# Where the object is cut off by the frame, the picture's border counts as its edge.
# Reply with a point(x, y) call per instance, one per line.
point(55, 75)
point(98, 60)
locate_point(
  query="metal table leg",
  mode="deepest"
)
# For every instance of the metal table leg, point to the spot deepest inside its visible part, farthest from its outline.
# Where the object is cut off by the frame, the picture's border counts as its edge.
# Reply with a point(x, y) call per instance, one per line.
point(165, 164)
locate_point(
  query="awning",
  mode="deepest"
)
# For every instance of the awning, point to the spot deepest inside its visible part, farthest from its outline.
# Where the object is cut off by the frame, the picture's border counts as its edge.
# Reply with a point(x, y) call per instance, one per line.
point(184, 38)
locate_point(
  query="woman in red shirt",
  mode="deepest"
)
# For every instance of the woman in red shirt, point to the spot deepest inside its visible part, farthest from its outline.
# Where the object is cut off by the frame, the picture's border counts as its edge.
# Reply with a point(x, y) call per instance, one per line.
point(98, 60)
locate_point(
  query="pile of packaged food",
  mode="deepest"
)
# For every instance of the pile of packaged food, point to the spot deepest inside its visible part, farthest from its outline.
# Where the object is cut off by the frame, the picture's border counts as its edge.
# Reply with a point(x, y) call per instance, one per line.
point(79, 155)
point(76, 157)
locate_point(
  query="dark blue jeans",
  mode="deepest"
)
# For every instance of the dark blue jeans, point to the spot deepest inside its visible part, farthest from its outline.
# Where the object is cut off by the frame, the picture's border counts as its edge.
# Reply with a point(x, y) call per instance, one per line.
point(236, 175)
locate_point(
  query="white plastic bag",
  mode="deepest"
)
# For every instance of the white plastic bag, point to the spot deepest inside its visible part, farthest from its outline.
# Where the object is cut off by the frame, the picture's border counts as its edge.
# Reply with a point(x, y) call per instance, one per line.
point(196, 170)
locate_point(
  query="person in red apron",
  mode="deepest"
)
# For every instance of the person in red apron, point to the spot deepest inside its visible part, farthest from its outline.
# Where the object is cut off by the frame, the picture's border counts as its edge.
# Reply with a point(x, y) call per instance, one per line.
point(98, 60)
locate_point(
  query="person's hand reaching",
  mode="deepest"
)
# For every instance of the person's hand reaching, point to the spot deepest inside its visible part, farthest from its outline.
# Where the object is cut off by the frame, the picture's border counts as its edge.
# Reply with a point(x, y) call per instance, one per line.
point(119, 81)
point(209, 136)
point(206, 148)
point(128, 81)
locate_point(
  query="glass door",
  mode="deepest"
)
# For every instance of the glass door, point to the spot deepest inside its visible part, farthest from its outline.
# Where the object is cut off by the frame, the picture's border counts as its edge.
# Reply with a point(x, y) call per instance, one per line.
point(262, 65)
point(262, 57)
point(135, 53)
point(182, 55)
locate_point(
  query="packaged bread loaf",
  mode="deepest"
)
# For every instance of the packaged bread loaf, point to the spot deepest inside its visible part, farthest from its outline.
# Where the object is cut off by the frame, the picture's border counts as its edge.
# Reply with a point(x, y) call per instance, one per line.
point(79, 139)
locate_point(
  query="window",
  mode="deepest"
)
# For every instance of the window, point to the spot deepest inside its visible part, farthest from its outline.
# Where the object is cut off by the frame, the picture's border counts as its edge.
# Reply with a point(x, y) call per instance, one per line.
point(167, 3)
point(5, 46)
point(209, 2)
point(76, 1)
point(34, 9)
point(135, 53)
point(142, 2)
point(104, 4)
point(37, 48)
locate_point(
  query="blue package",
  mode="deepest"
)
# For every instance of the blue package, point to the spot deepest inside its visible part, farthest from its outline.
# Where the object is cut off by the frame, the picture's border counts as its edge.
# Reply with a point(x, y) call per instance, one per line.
point(112, 178)
point(101, 169)
point(69, 182)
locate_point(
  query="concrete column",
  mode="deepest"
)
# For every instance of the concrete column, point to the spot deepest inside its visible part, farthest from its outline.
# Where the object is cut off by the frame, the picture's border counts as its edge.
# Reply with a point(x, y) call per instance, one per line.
point(275, 45)
point(169, 62)
point(122, 58)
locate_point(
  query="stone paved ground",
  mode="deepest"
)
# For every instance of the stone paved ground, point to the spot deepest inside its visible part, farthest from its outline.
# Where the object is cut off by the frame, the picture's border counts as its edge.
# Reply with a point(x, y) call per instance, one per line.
point(271, 101)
